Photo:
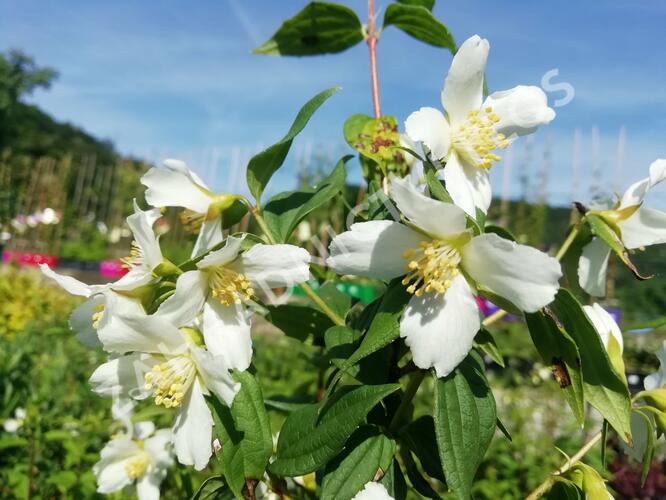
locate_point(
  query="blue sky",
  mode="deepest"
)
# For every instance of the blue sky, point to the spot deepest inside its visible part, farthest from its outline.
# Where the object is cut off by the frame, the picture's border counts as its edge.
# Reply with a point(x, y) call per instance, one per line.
point(176, 78)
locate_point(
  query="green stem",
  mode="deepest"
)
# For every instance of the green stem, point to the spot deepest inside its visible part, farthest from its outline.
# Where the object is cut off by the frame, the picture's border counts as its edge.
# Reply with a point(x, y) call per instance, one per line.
point(548, 483)
point(567, 243)
point(306, 288)
point(410, 392)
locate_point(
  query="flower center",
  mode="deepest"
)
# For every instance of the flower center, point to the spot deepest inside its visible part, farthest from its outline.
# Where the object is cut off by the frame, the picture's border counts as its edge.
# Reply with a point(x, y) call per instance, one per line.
point(475, 140)
point(134, 258)
point(229, 287)
point(191, 220)
point(97, 315)
point(171, 380)
point(136, 466)
point(431, 267)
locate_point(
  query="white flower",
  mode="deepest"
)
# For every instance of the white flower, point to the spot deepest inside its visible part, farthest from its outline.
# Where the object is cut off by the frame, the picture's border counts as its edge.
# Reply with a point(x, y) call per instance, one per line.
point(637, 227)
point(440, 259)
point(141, 456)
point(472, 129)
point(175, 185)
point(373, 491)
point(169, 361)
point(605, 325)
point(224, 282)
point(658, 378)
point(12, 425)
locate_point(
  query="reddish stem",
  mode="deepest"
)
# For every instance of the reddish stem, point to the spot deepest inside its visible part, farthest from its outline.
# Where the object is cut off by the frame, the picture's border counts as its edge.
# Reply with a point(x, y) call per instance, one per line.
point(372, 50)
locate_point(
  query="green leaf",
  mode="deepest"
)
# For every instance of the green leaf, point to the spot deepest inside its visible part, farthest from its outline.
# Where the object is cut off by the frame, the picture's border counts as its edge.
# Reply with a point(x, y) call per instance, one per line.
point(358, 467)
point(385, 326)
point(339, 301)
point(394, 481)
point(428, 4)
point(500, 231)
point(648, 455)
point(559, 351)
point(14, 441)
point(320, 28)
point(233, 214)
point(420, 437)
point(245, 433)
point(284, 211)
point(420, 483)
point(298, 321)
point(437, 190)
point(313, 435)
point(263, 165)
point(418, 21)
point(602, 385)
point(590, 481)
point(486, 342)
point(377, 139)
point(604, 231)
point(465, 420)
point(563, 489)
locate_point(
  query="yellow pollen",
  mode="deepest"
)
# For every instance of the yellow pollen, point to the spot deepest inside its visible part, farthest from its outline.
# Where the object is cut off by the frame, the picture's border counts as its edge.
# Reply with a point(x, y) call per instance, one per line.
point(475, 140)
point(170, 381)
point(431, 267)
point(134, 258)
point(136, 466)
point(97, 315)
point(191, 220)
point(229, 286)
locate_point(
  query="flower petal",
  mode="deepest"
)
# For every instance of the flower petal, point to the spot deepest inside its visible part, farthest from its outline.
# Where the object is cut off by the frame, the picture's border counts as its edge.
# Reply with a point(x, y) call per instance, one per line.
point(123, 376)
point(111, 475)
point(521, 110)
point(429, 126)
point(521, 274)
point(658, 378)
point(468, 186)
point(463, 88)
point(645, 227)
point(209, 236)
point(185, 304)
point(148, 487)
point(373, 491)
point(71, 285)
point(604, 324)
point(440, 329)
point(435, 217)
point(635, 194)
point(193, 429)
point(175, 185)
point(142, 333)
point(226, 331)
point(224, 255)
point(274, 266)
point(81, 321)
point(143, 430)
point(141, 225)
point(215, 374)
point(373, 249)
point(134, 279)
point(159, 447)
point(592, 267)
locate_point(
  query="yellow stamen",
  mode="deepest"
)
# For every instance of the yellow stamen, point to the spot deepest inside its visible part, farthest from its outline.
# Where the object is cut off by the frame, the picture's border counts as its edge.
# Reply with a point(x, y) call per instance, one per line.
point(191, 220)
point(97, 315)
point(229, 286)
point(475, 140)
point(136, 466)
point(171, 380)
point(134, 258)
point(431, 267)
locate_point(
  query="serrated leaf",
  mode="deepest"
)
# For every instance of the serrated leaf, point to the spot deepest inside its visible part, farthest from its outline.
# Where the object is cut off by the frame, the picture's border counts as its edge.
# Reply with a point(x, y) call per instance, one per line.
point(320, 28)
point(358, 467)
point(420, 437)
point(602, 385)
point(558, 350)
point(298, 321)
point(284, 211)
point(385, 326)
point(245, 433)
point(486, 342)
point(465, 419)
point(313, 435)
point(263, 165)
point(418, 22)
